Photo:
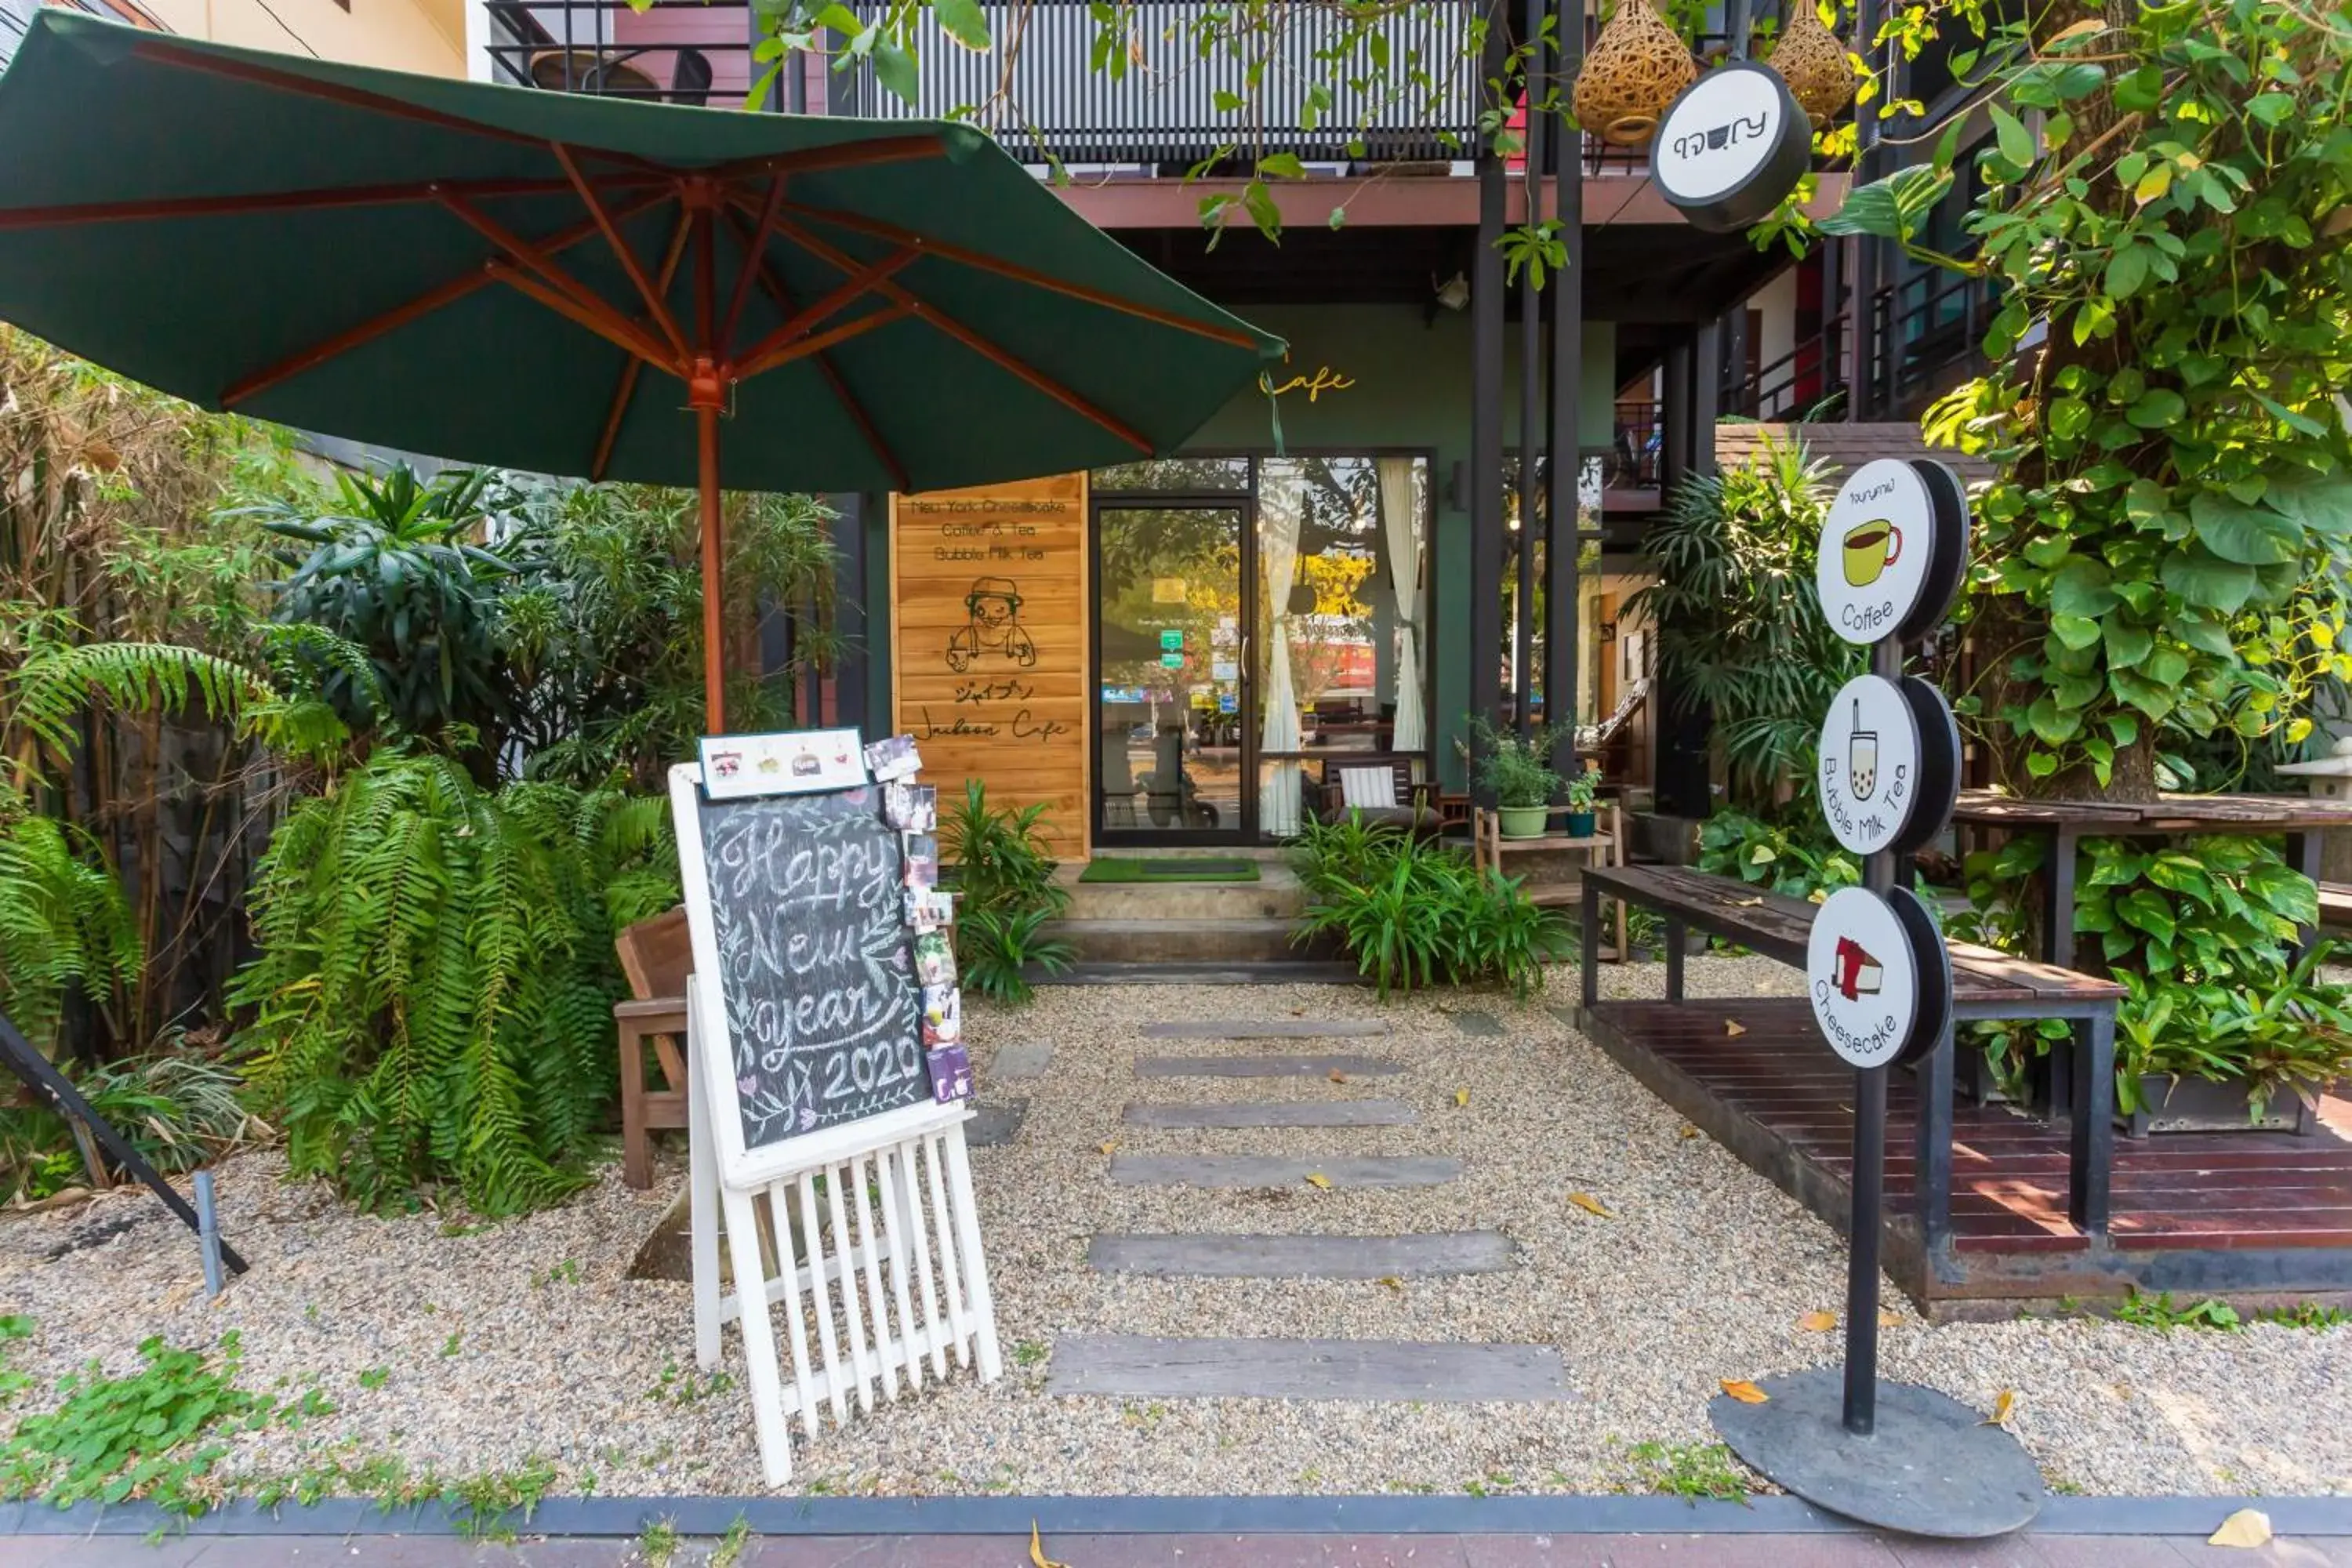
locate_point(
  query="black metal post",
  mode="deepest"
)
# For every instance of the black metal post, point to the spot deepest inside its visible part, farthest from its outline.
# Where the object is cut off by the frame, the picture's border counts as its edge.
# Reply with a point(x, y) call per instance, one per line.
point(1486, 543)
point(1866, 390)
point(1705, 397)
point(1878, 873)
point(1563, 537)
point(1531, 366)
point(852, 696)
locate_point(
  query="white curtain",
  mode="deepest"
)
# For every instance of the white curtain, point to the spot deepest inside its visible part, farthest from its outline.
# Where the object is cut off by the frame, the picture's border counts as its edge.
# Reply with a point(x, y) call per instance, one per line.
point(1278, 543)
point(1401, 531)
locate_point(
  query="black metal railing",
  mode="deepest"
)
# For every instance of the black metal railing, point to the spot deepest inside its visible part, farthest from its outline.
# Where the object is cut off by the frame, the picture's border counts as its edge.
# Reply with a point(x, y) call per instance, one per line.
point(680, 51)
point(1928, 331)
point(1634, 447)
point(1042, 92)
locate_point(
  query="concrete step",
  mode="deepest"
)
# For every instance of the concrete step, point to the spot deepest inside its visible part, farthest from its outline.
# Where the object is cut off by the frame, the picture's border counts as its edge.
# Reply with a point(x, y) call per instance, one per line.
point(1148, 1367)
point(1254, 972)
point(1248, 939)
point(1258, 1170)
point(1426, 1254)
point(1277, 895)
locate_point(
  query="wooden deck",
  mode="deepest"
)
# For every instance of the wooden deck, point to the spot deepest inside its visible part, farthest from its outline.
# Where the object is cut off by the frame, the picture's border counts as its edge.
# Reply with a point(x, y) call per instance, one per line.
point(2256, 1217)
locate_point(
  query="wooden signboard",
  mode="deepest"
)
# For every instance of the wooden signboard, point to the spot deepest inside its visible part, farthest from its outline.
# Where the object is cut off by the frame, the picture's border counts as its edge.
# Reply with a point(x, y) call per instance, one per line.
point(989, 644)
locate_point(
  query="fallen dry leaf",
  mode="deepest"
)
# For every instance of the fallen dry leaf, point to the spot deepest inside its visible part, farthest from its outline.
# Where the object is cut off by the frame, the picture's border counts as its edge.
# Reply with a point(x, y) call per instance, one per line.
point(1392, 1281)
point(1590, 1205)
point(1318, 1180)
point(1037, 1558)
point(1745, 1392)
point(1689, 1131)
point(2248, 1528)
point(1733, 1027)
point(1818, 1322)
point(2003, 1407)
point(1746, 903)
point(1336, 1076)
point(1888, 1320)
point(1461, 1097)
point(1107, 1148)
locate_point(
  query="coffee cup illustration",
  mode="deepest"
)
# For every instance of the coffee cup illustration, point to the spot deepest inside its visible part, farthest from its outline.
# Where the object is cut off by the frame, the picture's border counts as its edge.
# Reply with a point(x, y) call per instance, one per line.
point(1871, 549)
point(1861, 758)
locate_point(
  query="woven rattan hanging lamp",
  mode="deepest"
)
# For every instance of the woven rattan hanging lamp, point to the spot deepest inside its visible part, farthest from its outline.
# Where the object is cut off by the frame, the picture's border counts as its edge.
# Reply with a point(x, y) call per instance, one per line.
point(1637, 66)
point(1813, 60)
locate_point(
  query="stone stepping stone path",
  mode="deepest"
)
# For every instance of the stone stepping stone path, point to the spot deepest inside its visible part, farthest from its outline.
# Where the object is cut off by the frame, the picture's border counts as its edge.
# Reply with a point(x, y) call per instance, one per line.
point(1265, 1066)
point(1273, 1114)
point(1151, 1366)
point(1026, 1060)
point(1266, 1029)
point(1303, 1256)
point(993, 1126)
point(1265, 1170)
point(1145, 1366)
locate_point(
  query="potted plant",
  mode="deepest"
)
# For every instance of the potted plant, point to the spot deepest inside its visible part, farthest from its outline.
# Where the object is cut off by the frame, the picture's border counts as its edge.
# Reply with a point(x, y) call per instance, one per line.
point(1516, 770)
point(1582, 790)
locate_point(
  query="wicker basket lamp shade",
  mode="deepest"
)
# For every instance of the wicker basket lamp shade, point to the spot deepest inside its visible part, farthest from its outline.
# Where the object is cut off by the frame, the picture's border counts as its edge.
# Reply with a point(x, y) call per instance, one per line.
point(1813, 60)
point(1637, 66)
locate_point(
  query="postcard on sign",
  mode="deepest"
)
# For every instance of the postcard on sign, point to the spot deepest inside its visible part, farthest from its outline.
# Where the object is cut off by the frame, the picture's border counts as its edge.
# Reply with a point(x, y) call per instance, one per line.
point(791, 762)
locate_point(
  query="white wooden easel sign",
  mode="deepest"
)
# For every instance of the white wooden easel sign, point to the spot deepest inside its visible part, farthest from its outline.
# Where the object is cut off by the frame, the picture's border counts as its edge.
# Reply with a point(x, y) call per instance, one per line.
point(840, 1184)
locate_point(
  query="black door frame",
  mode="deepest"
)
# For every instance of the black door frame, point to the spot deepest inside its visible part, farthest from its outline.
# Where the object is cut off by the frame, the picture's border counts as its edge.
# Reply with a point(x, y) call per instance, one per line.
point(1242, 502)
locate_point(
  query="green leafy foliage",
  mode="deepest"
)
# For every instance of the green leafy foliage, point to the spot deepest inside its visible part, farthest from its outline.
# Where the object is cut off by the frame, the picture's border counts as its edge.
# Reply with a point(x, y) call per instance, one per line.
point(1795, 857)
point(433, 998)
point(1517, 770)
point(2158, 1312)
point(1740, 629)
point(1413, 914)
point(154, 1436)
point(65, 925)
point(1006, 892)
point(178, 1110)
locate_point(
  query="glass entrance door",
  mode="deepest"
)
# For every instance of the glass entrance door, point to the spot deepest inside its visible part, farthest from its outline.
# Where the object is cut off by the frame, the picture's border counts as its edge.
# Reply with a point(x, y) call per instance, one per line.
point(1172, 666)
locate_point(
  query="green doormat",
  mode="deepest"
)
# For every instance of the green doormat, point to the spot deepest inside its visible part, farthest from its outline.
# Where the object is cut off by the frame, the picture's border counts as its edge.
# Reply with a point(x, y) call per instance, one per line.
point(1134, 868)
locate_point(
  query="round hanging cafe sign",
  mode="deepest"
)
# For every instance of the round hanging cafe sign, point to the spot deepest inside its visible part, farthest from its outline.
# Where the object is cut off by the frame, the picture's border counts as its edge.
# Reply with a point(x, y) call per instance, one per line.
point(1878, 975)
point(1892, 549)
point(1890, 765)
point(1731, 145)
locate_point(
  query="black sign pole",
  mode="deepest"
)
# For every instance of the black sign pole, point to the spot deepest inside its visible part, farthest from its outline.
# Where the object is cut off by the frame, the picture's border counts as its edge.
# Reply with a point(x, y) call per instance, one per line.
point(1869, 1164)
point(45, 1080)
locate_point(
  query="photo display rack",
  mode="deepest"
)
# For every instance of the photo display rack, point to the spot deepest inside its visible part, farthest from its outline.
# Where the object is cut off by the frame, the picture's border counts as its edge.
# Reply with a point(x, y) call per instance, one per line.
point(1899, 1455)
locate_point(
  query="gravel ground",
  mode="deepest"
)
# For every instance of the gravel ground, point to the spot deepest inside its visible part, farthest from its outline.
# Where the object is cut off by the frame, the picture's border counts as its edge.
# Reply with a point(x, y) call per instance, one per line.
point(525, 1342)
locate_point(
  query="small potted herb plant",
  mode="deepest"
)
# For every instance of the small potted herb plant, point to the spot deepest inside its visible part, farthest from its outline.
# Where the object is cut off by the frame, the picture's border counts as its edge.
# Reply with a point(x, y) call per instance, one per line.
point(1581, 791)
point(1522, 779)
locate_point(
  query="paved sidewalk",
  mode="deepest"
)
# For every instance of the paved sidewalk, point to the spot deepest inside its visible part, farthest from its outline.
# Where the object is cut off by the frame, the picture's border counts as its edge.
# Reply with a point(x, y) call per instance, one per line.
point(1705, 1551)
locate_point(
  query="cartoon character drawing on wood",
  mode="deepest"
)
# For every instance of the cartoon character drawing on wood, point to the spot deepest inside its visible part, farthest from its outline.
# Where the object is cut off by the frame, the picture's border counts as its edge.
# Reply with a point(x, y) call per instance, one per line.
point(993, 628)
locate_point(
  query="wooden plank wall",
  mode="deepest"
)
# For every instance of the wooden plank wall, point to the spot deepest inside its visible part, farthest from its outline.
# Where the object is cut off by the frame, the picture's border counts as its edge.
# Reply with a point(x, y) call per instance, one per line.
point(989, 690)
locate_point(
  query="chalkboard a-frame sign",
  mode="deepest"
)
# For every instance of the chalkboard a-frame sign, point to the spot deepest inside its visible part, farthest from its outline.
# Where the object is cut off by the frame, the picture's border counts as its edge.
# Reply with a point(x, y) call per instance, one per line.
point(795, 903)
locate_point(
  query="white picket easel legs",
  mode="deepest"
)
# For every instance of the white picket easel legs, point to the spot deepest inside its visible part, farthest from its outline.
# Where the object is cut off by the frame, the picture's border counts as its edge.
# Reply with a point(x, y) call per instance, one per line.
point(883, 1285)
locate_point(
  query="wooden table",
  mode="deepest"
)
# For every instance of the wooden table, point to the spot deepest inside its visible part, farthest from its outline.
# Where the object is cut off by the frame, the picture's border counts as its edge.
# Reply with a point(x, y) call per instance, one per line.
point(2065, 823)
point(1487, 847)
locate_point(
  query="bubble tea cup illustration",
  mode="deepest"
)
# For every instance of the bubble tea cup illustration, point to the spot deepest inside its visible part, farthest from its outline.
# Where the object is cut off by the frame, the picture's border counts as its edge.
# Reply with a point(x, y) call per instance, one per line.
point(1870, 549)
point(1861, 758)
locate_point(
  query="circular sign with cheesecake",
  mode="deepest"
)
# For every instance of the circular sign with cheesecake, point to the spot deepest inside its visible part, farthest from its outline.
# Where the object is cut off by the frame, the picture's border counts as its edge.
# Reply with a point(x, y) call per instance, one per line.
point(1730, 147)
point(1892, 549)
point(1880, 981)
point(1890, 764)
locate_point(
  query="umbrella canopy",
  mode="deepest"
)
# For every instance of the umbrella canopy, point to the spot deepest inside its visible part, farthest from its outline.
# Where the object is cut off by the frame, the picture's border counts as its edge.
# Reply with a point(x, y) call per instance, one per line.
point(488, 273)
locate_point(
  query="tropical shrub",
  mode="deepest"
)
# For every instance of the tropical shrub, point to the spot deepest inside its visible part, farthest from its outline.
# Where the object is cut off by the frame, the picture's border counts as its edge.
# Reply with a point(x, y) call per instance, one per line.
point(177, 1108)
point(1518, 771)
point(1006, 892)
point(1795, 857)
point(1414, 913)
point(1739, 627)
point(432, 1007)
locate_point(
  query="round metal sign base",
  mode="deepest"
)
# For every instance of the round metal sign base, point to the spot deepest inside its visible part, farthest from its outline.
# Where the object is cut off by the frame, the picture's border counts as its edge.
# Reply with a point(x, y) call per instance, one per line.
point(1933, 1467)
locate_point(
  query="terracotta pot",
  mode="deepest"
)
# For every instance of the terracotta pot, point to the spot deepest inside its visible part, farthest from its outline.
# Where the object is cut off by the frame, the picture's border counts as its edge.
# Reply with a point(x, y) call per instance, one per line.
point(1637, 66)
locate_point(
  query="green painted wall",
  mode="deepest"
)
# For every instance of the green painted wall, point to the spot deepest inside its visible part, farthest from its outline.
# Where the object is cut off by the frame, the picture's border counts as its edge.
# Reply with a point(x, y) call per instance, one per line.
point(1412, 389)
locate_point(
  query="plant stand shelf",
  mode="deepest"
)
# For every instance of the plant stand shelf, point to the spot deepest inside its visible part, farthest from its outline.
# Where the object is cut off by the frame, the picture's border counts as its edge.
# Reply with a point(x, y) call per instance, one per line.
point(1488, 847)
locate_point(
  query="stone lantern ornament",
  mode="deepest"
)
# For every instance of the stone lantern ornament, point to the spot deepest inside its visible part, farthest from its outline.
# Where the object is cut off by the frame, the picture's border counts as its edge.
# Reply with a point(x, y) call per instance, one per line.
point(1637, 67)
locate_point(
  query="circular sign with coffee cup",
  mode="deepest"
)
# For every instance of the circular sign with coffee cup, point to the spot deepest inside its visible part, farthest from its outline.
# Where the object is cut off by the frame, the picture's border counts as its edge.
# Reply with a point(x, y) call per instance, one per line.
point(1890, 760)
point(1878, 976)
point(1880, 562)
point(1730, 146)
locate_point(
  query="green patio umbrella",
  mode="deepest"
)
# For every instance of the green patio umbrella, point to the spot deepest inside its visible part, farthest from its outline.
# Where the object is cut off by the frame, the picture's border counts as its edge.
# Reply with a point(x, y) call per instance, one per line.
point(486, 273)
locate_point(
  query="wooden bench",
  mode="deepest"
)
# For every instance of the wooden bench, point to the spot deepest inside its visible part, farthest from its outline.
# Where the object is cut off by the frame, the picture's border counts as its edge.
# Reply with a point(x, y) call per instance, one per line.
point(1986, 983)
point(2335, 904)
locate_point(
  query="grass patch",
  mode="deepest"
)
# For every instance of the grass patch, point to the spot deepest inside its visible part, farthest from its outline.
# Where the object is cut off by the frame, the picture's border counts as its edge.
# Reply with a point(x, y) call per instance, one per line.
point(1692, 1470)
point(2158, 1312)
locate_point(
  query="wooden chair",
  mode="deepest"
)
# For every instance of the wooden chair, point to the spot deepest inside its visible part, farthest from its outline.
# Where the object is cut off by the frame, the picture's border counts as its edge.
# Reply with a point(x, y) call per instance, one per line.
point(656, 956)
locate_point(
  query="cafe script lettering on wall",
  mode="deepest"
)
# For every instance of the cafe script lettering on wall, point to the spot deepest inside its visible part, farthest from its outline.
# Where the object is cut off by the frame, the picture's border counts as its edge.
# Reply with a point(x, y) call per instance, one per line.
point(816, 975)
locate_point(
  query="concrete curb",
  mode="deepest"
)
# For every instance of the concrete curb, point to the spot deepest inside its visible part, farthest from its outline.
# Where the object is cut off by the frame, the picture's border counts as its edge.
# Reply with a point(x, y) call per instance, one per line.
point(1012, 1516)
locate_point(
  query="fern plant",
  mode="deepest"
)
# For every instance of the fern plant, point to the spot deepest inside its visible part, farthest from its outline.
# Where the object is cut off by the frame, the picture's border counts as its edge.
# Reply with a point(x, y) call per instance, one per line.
point(433, 1001)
